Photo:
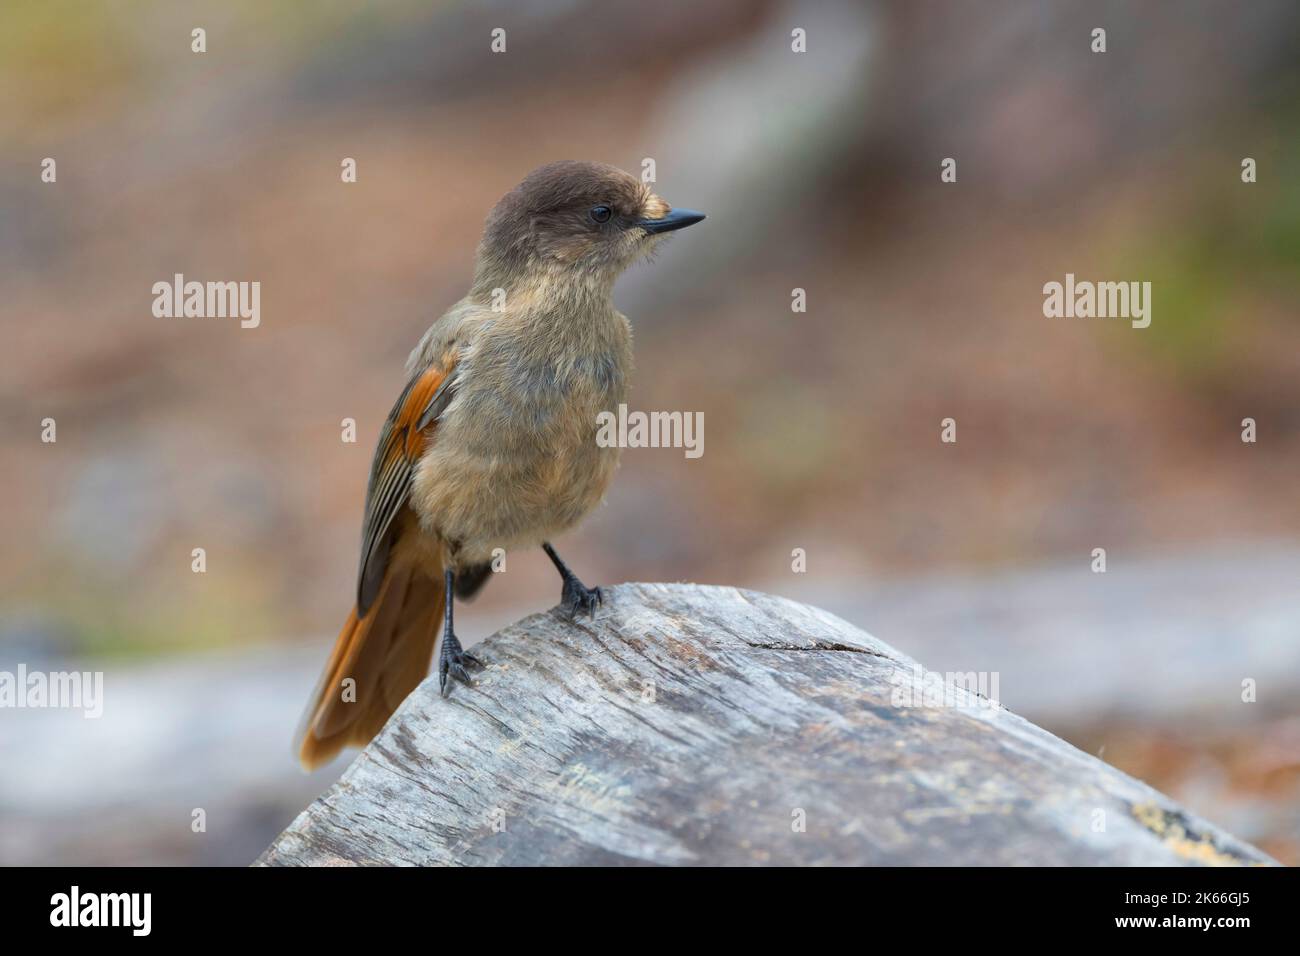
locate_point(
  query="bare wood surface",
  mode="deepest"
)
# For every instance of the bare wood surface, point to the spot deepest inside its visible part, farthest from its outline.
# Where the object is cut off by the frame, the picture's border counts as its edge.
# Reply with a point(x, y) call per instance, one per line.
point(707, 725)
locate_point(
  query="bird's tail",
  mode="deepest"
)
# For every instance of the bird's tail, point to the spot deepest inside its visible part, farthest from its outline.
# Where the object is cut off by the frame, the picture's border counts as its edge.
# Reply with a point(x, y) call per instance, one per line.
point(377, 660)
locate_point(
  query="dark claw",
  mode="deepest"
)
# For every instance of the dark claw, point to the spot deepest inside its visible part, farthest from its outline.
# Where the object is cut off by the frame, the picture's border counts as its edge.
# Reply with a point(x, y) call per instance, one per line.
point(578, 597)
point(451, 662)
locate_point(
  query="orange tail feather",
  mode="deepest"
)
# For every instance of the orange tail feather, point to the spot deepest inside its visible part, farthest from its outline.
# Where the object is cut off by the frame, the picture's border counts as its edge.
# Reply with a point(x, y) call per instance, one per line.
point(376, 662)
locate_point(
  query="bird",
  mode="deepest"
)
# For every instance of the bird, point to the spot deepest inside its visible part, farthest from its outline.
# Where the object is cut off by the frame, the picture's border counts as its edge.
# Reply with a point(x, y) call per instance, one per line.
point(492, 444)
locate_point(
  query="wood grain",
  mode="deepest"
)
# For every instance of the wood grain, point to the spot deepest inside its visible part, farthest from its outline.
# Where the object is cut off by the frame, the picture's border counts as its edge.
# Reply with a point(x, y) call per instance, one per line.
point(689, 725)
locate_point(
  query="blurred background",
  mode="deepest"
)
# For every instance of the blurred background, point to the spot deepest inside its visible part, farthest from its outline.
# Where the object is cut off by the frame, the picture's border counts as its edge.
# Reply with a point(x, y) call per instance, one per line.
point(820, 171)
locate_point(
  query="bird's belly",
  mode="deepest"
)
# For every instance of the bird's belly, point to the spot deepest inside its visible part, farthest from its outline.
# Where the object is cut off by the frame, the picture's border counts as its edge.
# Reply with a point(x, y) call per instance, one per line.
point(531, 487)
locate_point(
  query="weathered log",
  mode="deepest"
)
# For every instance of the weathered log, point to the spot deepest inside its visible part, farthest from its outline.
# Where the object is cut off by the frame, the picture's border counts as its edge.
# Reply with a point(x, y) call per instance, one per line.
point(708, 725)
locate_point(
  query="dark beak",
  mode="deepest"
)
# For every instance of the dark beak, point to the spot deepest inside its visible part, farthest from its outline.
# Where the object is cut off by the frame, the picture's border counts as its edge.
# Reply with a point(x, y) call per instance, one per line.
point(676, 219)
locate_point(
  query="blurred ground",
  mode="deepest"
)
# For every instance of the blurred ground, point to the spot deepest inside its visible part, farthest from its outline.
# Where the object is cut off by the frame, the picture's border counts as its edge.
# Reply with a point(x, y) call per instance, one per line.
point(818, 170)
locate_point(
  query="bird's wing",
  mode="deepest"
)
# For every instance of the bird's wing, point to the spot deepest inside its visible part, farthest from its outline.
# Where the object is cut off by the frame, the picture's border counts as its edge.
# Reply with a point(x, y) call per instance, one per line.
point(402, 441)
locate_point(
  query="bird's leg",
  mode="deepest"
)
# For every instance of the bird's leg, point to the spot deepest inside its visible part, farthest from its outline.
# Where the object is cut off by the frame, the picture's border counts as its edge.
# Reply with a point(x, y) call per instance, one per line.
point(452, 658)
point(575, 596)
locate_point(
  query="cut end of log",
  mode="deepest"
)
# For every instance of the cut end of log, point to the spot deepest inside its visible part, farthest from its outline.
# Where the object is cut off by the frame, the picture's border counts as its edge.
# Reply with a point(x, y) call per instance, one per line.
point(695, 725)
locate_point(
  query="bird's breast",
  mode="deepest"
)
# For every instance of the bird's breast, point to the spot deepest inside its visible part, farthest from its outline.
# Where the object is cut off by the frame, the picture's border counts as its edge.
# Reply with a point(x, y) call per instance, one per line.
point(515, 457)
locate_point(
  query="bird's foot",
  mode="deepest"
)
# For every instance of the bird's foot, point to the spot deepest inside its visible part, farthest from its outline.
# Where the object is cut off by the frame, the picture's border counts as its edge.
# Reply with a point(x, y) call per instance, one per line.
point(577, 597)
point(451, 663)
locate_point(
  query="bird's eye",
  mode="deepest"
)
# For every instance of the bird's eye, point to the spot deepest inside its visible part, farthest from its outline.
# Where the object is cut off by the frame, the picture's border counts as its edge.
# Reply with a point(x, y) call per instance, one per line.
point(601, 213)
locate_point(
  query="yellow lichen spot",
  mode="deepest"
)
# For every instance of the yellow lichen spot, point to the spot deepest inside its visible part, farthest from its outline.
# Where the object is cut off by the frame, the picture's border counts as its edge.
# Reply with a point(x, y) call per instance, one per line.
point(1190, 846)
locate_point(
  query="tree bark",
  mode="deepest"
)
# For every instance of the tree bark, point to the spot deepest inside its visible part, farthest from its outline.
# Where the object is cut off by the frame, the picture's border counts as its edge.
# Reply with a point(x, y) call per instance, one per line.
point(696, 725)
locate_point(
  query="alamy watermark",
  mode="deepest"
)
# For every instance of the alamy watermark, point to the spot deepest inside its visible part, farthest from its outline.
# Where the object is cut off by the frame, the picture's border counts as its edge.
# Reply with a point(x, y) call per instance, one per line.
point(56, 690)
point(133, 911)
point(651, 430)
point(960, 689)
point(208, 300)
point(1102, 300)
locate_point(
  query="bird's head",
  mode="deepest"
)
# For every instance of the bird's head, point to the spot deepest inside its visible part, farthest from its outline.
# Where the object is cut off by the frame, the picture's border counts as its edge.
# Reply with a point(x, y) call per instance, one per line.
point(587, 221)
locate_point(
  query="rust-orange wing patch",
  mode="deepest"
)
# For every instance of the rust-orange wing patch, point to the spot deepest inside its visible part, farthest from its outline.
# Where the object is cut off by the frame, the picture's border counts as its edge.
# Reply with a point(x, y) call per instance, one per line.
point(402, 441)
